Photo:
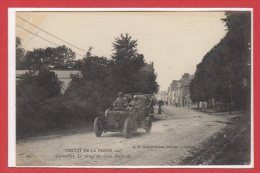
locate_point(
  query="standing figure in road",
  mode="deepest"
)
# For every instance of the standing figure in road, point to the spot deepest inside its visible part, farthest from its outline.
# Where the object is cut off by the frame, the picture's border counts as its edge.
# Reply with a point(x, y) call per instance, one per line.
point(160, 102)
point(151, 105)
point(120, 103)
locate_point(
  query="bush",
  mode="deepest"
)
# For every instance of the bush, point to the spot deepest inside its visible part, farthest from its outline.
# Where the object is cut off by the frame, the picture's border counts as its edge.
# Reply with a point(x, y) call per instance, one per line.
point(90, 98)
point(32, 92)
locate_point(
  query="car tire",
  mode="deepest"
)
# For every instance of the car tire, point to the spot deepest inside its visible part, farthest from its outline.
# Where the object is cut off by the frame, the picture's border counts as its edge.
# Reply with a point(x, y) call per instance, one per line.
point(128, 127)
point(98, 127)
point(149, 126)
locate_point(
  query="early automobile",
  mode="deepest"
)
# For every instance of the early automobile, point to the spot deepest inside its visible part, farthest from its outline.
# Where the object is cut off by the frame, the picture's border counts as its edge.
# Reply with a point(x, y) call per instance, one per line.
point(127, 120)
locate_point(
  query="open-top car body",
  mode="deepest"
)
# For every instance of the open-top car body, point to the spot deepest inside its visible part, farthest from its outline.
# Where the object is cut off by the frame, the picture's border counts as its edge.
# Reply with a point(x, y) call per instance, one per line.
point(127, 120)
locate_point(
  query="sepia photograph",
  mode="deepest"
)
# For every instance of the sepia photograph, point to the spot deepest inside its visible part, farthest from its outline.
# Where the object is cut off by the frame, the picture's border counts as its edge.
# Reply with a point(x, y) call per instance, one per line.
point(131, 88)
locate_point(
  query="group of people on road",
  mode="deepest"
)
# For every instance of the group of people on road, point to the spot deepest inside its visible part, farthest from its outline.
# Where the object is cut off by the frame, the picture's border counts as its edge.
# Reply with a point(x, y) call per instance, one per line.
point(122, 103)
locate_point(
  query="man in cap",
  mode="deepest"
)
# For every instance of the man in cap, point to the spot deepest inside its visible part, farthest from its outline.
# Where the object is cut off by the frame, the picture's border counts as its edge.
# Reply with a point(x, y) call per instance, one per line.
point(120, 103)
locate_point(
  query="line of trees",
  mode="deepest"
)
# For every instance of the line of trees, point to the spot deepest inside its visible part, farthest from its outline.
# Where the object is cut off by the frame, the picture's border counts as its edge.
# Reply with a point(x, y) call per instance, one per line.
point(224, 73)
point(42, 107)
point(60, 58)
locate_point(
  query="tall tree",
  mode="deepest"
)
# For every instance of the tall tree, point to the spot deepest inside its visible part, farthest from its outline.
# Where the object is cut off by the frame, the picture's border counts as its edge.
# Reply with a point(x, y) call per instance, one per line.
point(239, 40)
point(19, 54)
point(126, 64)
point(147, 80)
point(224, 67)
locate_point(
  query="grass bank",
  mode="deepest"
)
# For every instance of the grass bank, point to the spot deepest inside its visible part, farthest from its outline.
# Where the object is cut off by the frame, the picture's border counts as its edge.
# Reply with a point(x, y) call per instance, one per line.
point(230, 146)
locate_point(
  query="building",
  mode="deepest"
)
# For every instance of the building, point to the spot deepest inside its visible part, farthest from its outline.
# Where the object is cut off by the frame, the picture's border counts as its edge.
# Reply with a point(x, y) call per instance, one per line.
point(172, 92)
point(63, 76)
point(179, 91)
point(162, 95)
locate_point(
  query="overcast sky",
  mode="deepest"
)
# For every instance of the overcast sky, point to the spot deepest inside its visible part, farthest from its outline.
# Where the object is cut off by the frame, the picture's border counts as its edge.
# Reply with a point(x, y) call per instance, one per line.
point(175, 41)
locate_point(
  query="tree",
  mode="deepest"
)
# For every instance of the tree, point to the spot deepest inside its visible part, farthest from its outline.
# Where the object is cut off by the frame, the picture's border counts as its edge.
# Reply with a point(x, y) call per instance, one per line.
point(197, 85)
point(32, 91)
point(147, 80)
point(126, 63)
point(239, 40)
point(125, 49)
point(19, 54)
point(60, 57)
point(221, 72)
point(95, 68)
point(46, 81)
point(90, 92)
point(101, 79)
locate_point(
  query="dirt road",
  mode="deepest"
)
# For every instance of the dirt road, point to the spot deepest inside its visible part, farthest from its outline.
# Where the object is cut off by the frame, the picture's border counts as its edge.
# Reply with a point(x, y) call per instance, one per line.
point(171, 138)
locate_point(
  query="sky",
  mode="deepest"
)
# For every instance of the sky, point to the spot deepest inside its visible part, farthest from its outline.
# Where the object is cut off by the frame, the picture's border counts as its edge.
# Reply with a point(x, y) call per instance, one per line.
point(175, 41)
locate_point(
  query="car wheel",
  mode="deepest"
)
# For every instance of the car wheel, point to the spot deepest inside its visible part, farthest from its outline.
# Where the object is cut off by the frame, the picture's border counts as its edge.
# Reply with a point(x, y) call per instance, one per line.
point(98, 127)
point(128, 127)
point(149, 126)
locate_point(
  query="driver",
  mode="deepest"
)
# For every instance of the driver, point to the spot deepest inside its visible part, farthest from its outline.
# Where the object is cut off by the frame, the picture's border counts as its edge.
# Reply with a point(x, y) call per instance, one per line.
point(120, 103)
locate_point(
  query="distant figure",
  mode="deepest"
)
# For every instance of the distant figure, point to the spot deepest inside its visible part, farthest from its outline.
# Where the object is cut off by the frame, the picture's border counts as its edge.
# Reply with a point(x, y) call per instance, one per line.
point(151, 104)
point(160, 102)
point(120, 103)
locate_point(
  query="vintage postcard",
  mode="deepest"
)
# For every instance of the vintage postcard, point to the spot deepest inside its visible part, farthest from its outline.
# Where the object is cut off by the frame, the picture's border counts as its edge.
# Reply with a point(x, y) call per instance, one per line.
point(131, 88)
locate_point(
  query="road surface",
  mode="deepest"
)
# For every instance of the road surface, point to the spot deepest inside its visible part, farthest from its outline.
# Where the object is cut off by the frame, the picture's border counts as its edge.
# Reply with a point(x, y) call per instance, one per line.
point(171, 138)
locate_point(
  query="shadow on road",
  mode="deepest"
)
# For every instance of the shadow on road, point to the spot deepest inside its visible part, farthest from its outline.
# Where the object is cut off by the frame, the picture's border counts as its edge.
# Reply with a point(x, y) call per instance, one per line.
point(118, 134)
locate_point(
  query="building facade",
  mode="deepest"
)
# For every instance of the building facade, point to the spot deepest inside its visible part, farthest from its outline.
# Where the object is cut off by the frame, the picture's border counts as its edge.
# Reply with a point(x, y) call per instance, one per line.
point(162, 95)
point(172, 92)
point(179, 91)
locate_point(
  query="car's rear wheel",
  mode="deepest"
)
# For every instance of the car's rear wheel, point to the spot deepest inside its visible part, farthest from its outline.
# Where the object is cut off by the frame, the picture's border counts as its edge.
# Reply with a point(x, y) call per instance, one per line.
point(128, 127)
point(98, 127)
point(149, 126)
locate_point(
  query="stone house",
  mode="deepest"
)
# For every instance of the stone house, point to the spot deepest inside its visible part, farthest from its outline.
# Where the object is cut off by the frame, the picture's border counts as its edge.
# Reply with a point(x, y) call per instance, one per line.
point(179, 91)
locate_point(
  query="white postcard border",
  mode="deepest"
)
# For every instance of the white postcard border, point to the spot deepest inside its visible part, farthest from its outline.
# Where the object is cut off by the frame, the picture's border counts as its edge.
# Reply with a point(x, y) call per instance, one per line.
point(12, 80)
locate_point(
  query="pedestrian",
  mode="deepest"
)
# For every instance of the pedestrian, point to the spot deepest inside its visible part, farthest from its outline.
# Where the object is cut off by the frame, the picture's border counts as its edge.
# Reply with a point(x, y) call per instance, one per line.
point(160, 106)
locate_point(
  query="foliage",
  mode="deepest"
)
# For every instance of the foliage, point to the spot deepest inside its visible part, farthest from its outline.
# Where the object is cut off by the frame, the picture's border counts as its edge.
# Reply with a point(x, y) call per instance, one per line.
point(223, 68)
point(60, 57)
point(125, 49)
point(128, 65)
point(44, 80)
point(147, 79)
point(20, 52)
point(101, 78)
point(32, 90)
point(90, 92)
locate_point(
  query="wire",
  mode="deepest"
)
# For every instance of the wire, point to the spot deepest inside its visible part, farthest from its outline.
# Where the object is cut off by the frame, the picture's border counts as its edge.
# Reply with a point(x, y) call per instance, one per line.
point(51, 34)
point(37, 35)
point(43, 38)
